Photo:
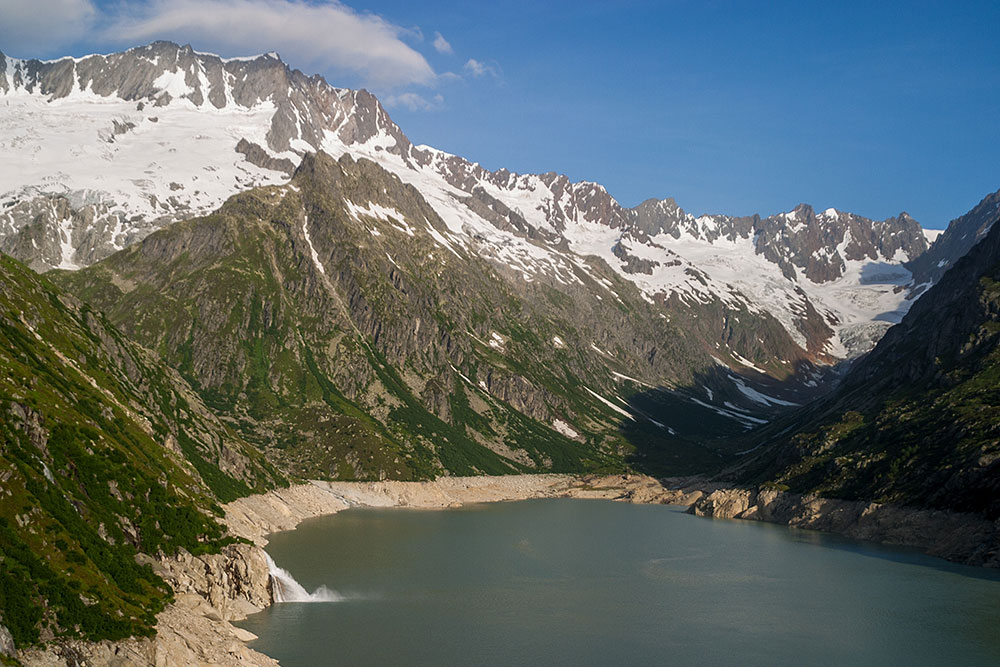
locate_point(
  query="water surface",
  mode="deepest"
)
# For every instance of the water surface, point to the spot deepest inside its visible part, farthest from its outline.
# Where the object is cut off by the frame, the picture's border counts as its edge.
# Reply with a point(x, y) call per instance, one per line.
point(585, 582)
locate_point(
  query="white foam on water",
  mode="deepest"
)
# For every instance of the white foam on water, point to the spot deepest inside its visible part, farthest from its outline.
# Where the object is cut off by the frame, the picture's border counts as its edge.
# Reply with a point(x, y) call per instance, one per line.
point(286, 589)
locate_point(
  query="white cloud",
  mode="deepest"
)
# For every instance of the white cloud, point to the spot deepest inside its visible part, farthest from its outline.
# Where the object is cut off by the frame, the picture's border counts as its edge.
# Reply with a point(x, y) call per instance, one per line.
point(441, 44)
point(41, 27)
point(415, 102)
point(329, 35)
point(478, 68)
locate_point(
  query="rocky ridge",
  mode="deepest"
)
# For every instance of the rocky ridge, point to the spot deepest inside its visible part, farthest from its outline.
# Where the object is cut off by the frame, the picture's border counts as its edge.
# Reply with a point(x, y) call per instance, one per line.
point(956, 241)
point(830, 279)
point(339, 327)
point(320, 317)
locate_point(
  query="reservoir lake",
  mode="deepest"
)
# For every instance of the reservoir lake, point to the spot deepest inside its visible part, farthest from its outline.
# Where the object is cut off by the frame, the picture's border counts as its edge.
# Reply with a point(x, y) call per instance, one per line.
point(589, 582)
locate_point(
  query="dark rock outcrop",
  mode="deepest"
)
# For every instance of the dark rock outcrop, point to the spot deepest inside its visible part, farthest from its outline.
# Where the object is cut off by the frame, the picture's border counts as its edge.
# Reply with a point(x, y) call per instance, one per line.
point(956, 241)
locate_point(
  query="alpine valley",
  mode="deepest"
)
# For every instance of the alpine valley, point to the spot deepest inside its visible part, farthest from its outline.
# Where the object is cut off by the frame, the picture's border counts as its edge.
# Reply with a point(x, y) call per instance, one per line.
point(226, 277)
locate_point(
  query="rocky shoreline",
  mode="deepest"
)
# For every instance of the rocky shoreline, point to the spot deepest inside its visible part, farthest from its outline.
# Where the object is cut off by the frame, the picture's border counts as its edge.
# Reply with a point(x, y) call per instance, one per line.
point(213, 591)
point(962, 538)
point(254, 517)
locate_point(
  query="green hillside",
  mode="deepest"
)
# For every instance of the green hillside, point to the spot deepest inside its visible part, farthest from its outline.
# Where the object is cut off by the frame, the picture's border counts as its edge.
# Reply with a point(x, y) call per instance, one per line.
point(104, 453)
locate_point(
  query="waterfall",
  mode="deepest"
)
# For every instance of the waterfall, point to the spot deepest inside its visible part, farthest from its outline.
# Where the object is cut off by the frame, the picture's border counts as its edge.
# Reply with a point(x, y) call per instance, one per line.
point(286, 589)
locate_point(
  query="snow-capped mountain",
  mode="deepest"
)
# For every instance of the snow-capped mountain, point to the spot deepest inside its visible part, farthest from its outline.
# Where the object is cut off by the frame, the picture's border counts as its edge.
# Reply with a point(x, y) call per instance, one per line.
point(99, 151)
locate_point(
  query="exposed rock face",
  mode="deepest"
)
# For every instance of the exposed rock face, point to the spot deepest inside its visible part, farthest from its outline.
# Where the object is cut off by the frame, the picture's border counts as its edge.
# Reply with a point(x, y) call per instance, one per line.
point(162, 72)
point(800, 241)
point(67, 231)
point(210, 591)
point(964, 538)
point(257, 155)
point(956, 241)
point(234, 582)
point(6, 642)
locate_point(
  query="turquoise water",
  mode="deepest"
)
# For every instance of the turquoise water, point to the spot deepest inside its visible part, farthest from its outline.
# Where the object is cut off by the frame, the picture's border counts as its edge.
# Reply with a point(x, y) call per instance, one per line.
point(584, 582)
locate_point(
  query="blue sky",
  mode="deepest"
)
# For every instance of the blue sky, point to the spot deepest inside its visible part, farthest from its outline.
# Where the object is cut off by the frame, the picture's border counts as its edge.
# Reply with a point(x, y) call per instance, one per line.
point(731, 107)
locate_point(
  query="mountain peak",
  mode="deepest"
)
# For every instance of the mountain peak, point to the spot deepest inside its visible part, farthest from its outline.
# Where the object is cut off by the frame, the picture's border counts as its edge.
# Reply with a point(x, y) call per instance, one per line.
point(256, 120)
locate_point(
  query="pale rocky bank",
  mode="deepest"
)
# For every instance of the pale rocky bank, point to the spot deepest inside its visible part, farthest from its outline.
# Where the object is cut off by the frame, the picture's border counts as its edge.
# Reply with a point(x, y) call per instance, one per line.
point(254, 517)
point(212, 591)
point(962, 538)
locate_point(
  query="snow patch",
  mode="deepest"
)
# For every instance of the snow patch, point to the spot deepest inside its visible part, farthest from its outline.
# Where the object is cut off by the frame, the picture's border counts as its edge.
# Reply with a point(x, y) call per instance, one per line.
point(621, 376)
point(609, 404)
point(496, 341)
point(379, 212)
point(66, 244)
point(758, 397)
point(745, 362)
point(932, 234)
point(737, 416)
point(564, 428)
point(663, 426)
point(312, 249)
point(173, 84)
